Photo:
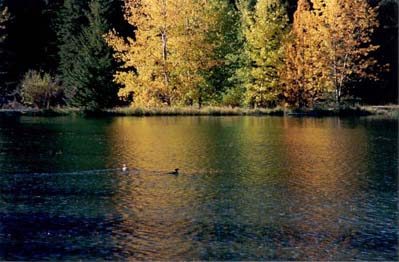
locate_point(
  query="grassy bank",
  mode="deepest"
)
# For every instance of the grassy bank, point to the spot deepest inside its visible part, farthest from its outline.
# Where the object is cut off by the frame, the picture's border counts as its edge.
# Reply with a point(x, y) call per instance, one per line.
point(193, 111)
point(389, 111)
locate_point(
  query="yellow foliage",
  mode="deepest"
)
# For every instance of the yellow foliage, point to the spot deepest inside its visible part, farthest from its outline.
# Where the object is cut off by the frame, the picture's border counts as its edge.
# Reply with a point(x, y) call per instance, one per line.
point(330, 44)
point(305, 75)
point(167, 53)
point(349, 26)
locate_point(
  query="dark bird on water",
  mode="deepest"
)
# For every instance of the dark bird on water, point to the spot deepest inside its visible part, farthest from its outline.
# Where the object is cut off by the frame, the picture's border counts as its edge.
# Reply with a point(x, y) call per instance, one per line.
point(176, 172)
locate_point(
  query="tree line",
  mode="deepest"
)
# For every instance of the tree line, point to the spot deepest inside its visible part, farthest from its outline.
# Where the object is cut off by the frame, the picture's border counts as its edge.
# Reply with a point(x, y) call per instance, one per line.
point(105, 53)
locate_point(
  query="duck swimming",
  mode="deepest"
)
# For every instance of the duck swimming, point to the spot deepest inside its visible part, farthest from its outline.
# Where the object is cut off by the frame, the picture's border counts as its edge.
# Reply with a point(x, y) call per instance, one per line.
point(176, 172)
point(124, 168)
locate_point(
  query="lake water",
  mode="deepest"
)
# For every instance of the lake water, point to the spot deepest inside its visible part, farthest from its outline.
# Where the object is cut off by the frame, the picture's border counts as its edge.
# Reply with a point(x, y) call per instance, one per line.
point(249, 188)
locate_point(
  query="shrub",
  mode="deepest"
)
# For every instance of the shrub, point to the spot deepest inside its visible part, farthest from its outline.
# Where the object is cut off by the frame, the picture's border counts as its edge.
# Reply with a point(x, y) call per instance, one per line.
point(233, 97)
point(41, 90)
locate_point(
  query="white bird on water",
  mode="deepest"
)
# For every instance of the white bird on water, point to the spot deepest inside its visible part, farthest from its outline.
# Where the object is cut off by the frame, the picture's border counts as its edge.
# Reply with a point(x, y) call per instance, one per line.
point(124, 167)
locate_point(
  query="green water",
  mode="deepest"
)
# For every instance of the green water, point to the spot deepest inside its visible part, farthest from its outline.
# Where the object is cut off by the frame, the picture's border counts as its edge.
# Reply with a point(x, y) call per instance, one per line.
point(249, 188)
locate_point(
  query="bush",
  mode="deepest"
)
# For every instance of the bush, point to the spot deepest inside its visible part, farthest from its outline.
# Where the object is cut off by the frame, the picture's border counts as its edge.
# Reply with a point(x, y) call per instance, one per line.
point(233, 97)
point(41, 90)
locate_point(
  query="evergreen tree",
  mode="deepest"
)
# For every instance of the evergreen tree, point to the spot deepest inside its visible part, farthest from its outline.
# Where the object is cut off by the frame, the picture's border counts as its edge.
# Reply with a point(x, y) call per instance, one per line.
point(92, 76)
point(69, 26)
point(88, 76)
point(4, 18)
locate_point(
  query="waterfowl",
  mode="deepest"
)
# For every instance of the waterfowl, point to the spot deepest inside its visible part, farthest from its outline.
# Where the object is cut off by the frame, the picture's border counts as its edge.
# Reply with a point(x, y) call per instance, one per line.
point(176, 172)
point(124, 168)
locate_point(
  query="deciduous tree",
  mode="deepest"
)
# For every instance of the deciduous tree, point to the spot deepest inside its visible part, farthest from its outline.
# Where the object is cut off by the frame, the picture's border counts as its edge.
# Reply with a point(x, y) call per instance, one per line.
point(265, 31)
point(163, 62)
point(146, 62)
point(349, 26)
point(227, 39)
point(194, 48)
point(305, 76)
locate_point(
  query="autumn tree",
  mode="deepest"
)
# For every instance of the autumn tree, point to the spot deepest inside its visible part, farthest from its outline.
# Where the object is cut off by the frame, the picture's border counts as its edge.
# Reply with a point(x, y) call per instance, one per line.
point(305, 75)
point(349, 26)
point(162, 63)
point(265, 30)
point(194, 48)
point(145, 71)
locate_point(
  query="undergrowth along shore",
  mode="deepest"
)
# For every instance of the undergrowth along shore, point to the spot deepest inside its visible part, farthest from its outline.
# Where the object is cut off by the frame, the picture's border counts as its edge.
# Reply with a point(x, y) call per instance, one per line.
point(388, 110)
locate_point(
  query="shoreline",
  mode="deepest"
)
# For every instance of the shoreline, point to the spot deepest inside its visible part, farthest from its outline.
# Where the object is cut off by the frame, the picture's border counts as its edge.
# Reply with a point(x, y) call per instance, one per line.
point(384, 110)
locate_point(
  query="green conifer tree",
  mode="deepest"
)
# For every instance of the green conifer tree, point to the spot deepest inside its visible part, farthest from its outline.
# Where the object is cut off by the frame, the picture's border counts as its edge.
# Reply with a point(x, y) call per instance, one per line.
point(92, 74)
point(4, 18)
point(68, 27)
point(88, 75)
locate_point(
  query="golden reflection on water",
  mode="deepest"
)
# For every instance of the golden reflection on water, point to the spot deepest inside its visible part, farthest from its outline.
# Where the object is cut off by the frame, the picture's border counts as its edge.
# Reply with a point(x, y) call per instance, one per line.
point(324, 159)
point(154, 226)
point(158, 209)
point(250, 189)
point(316, 160)
point(159, 143)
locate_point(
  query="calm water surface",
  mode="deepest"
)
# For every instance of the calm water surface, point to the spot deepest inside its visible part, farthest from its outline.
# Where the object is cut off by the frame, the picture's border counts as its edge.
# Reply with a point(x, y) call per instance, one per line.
point(250, 188)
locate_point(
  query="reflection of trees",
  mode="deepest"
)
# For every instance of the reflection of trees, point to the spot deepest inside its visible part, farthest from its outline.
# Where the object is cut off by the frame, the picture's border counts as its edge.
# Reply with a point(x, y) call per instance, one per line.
point(326, 162)
point(208, 198)
point(160, 211)
point(195, 144)
point(383, 162)
point(50, 145)
point(226, 190)
point(45, 216)
point(250, 188)
point(159, 143)
point(179, 209)
point(256, 170)
point(158, 217)
point(27, 146)
point(240, 217)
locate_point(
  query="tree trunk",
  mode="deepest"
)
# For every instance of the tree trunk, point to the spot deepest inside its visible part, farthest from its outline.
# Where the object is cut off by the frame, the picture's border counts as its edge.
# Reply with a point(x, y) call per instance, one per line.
point(338, 96)
point(165, 57)
point(164, 38)
point(199, 97)
point(47, 101)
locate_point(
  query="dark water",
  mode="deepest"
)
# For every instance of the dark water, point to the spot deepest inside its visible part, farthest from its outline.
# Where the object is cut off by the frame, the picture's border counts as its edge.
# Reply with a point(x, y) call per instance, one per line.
point(249, 189)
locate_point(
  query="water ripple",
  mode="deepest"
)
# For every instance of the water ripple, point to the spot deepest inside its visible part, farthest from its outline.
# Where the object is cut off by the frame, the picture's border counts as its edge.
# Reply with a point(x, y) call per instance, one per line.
point(248, 189)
